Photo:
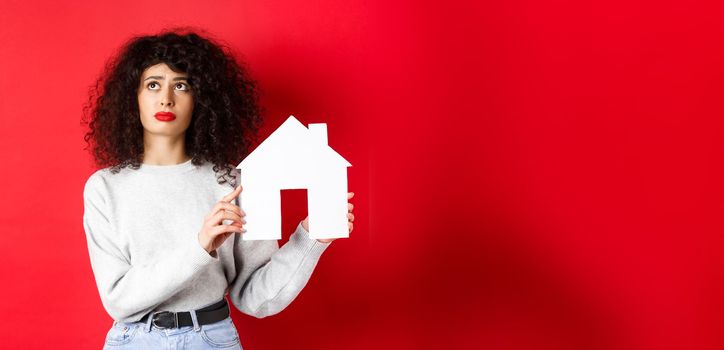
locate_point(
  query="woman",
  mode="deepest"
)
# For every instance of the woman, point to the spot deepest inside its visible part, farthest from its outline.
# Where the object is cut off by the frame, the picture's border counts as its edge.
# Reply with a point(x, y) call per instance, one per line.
point(168, 120)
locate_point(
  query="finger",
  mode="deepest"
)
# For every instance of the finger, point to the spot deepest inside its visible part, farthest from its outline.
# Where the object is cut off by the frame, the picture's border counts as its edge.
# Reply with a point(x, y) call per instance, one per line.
point(221, 229)
point(227, 206)
point(350, 217)
point(233, 220)
point(226, 215)
point(229, 197)
point(350, 195)
point(351, 227)
point(222, 207)
point(350, 207)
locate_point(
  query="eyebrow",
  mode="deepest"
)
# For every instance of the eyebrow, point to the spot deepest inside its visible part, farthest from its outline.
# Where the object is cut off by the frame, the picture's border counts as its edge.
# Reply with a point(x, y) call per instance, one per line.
point(161, 78)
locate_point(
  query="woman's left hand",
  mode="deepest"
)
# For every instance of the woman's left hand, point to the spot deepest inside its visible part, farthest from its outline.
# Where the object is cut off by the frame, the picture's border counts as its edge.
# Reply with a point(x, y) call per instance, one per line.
point(350, 219)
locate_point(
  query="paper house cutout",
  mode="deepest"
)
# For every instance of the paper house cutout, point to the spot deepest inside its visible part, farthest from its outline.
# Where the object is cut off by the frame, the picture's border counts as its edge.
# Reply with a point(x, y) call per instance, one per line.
point(294, 157)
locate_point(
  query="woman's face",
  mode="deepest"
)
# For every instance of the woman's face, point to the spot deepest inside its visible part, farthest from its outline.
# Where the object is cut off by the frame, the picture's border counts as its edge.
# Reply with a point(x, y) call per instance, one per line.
point(165, 101)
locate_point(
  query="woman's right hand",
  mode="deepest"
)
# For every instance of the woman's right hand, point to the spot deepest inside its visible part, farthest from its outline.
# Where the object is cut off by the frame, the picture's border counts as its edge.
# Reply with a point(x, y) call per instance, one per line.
point(214, 232)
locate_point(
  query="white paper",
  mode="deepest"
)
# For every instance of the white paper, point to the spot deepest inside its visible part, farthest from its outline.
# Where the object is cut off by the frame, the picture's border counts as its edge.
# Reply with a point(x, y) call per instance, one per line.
point(294, 157)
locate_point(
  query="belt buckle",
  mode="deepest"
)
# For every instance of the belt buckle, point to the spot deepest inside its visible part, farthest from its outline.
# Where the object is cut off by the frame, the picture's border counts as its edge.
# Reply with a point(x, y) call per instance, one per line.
point(165, 320)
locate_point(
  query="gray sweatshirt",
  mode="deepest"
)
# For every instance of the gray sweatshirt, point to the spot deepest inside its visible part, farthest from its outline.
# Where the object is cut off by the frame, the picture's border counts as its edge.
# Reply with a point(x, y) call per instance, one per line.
point(142, 231)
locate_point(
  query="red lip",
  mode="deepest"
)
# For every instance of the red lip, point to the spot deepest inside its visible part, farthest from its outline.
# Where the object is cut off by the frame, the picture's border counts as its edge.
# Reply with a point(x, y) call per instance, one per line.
point(165, 116)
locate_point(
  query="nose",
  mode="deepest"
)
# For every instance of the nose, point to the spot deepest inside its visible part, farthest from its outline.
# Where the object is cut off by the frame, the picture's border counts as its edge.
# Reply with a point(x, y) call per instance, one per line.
point(167, 99)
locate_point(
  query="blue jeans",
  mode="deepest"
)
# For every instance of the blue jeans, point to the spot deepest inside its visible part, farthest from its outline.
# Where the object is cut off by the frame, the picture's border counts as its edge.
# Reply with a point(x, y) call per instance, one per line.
point(144, 335)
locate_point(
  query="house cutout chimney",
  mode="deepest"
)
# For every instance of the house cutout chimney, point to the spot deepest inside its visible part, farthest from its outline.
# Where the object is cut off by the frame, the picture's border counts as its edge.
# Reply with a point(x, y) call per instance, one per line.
point(318, 132)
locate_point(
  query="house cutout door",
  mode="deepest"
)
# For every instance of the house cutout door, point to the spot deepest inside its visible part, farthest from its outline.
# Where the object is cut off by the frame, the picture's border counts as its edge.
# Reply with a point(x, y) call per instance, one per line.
point(294, 209)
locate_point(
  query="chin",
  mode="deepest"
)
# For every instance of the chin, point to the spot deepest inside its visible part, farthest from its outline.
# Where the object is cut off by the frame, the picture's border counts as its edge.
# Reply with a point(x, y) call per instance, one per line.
point(168, 133)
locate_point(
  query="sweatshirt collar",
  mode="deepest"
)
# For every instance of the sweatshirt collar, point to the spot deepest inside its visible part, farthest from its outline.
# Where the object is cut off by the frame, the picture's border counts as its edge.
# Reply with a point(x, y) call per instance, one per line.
point(167, 169)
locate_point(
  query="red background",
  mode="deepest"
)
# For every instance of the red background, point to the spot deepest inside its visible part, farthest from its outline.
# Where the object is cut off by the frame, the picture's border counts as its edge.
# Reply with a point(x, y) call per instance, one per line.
point(529, 175)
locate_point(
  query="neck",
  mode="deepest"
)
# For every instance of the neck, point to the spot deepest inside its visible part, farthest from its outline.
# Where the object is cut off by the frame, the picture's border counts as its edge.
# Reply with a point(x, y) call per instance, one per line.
point(164, 150)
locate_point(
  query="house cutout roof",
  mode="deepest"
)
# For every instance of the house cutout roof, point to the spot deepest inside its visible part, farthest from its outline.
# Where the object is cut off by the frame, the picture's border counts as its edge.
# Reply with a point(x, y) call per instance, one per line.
point(292, 138)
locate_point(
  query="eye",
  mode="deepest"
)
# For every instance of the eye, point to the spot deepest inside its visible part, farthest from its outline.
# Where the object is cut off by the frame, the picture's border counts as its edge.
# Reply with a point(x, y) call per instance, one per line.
point(182, 87)
point(153, 85)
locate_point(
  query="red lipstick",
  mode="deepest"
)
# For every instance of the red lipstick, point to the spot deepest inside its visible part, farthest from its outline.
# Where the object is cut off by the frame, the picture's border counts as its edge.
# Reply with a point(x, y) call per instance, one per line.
point(165, 116)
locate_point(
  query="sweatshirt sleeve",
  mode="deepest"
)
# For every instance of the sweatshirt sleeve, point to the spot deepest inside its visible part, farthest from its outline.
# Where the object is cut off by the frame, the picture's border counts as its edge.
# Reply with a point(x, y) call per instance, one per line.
point(128, 292)
point(269, 277)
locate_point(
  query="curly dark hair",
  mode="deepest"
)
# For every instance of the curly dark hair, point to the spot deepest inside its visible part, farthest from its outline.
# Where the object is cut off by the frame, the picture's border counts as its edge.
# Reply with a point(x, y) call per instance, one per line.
point(226, 115)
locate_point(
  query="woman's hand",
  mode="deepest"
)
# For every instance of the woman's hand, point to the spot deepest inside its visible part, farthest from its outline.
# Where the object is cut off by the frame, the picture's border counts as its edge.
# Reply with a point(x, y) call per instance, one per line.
point(214, 232)
point(350, 219)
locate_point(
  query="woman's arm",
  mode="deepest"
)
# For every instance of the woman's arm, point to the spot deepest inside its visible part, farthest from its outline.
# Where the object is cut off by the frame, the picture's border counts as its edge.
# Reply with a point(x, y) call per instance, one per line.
point(128, 292)
point(268, 277)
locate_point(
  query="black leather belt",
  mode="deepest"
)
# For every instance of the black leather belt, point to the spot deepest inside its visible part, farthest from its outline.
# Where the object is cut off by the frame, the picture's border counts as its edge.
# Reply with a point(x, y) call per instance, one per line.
point(210, 314)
